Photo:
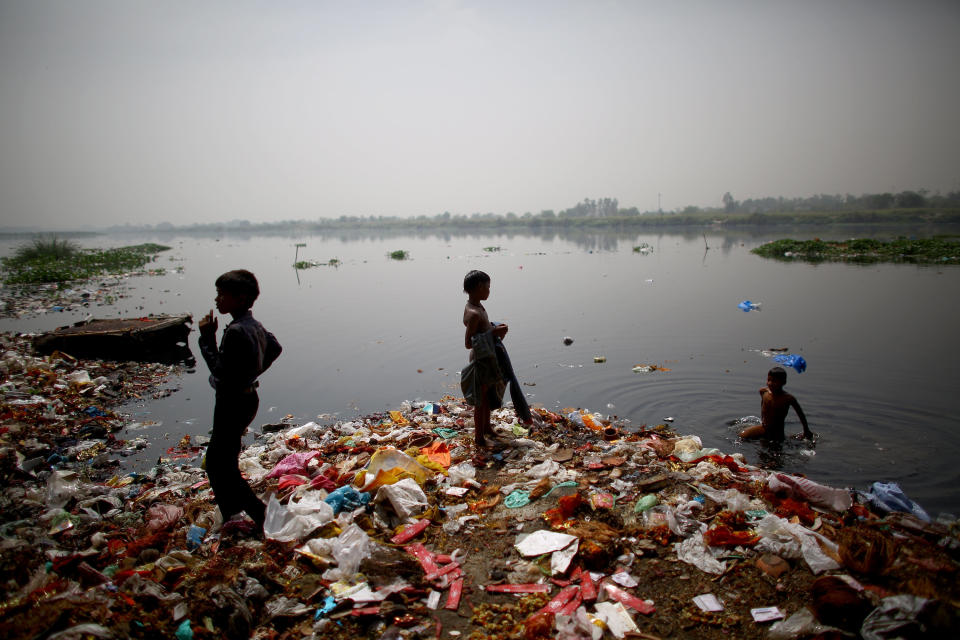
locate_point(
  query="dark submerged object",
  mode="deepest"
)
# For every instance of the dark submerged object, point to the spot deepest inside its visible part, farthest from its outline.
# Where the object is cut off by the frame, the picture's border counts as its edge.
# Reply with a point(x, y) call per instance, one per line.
point(148, 337)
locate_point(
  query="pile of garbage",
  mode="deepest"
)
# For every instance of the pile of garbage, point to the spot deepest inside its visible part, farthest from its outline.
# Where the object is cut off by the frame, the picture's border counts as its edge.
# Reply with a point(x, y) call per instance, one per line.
point(28, 301)
point(59, 411)
point(393, 525)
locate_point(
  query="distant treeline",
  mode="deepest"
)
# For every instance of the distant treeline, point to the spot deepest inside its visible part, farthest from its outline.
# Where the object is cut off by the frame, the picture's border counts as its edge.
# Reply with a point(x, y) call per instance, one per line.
point(906, 207)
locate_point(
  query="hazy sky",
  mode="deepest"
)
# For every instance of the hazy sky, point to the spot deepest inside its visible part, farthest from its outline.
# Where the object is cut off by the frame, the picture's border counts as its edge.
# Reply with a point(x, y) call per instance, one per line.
point(186, 111)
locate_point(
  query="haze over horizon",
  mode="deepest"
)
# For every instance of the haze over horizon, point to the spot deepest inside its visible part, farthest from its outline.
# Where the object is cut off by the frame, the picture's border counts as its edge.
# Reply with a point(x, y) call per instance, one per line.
point(114, 112)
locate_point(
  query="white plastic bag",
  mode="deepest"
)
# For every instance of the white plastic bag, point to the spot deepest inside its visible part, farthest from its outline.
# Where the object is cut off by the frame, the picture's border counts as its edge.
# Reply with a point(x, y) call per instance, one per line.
point(730, 498)
point(405, 496)
point(62, 485)
point(459, 473)
point(296, 521)
point(546, 469)
point(788, 540)
point(348, 549)
point(694, 551)
point(800, 625)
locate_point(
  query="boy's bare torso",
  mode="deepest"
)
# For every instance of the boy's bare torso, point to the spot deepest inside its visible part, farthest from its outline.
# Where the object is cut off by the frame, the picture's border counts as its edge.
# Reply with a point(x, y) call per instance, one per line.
point(773, 412)
point(475, 320)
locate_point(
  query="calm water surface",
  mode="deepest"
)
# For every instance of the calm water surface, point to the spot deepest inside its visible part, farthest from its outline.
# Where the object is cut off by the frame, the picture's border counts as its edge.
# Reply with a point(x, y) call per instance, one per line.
point(881, 342)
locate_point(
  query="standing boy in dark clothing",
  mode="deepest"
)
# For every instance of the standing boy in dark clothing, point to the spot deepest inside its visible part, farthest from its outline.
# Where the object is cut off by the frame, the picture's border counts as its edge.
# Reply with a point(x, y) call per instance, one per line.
point(486, 376)
point(246, 351)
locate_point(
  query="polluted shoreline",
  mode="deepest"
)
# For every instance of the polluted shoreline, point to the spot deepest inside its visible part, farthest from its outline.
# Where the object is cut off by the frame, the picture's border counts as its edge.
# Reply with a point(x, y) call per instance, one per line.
point(393, 525)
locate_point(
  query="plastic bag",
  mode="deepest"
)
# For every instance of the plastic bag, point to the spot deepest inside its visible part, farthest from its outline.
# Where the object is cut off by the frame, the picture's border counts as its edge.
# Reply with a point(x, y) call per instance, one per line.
point(438, 452)
point(459, 473)
point(348, 549)
point(284, 607)
point(61, 487)
point(391, 464)
point(681, 525)
point(406, 497)
point(546, 469)
point(295, 463)
point(731, 498)
point(82, 632)
point(694, 551)
point(584, 418)
point(888, 496)
point(816, 494)
point(195, 537)
point(310, 429)
point(690, 448)
point(162, 516)
point(645, 502)
point(346, 498)
point(788, 540)
point(896, 617)
point(296, 521)
point(791, 360)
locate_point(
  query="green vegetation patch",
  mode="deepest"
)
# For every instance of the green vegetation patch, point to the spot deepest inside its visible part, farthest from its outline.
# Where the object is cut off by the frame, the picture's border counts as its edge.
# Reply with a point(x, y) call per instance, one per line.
point(53, 260)
point(308, 264)
point(938, 249)
point(399, 254)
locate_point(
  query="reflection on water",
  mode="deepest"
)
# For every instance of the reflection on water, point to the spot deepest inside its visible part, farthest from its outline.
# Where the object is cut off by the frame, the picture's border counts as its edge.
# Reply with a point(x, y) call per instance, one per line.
point(880, 340)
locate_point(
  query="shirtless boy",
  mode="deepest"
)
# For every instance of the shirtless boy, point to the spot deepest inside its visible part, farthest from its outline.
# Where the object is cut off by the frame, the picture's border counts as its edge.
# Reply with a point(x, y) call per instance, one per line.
point(775, 403)
point(476, 285)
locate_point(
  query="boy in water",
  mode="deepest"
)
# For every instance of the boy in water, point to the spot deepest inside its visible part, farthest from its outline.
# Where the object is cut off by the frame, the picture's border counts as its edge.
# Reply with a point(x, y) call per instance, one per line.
point(774, 405)
point(246, 351)
point(482, 380)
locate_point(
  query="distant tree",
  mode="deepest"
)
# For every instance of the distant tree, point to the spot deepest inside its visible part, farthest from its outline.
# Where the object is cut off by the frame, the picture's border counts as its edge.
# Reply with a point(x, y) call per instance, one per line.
point(729, 204)
point(909, 200)
point(548, 214)
point(878, 201)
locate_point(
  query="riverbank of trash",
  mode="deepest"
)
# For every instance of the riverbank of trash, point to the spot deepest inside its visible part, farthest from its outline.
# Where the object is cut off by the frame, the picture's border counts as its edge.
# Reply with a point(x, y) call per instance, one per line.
point(393, 525)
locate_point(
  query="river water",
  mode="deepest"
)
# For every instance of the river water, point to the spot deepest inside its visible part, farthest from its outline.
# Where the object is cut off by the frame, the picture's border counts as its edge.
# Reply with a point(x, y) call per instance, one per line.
point(880, 341)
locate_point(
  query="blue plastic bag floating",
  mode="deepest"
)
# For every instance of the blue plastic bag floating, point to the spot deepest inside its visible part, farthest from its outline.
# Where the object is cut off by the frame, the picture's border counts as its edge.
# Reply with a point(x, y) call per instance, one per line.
point(791, 360)
point(746, 305)
point(888, 496)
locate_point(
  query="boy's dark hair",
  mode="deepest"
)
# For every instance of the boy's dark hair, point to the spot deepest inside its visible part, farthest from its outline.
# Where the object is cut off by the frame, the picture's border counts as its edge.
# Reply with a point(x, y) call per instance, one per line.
point(473, 280)
point(240, 282)
point(778, 373)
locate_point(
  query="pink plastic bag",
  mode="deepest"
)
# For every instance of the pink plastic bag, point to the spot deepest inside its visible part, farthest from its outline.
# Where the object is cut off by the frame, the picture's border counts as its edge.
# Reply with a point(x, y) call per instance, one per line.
point(295, 463)
point(162, 516)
